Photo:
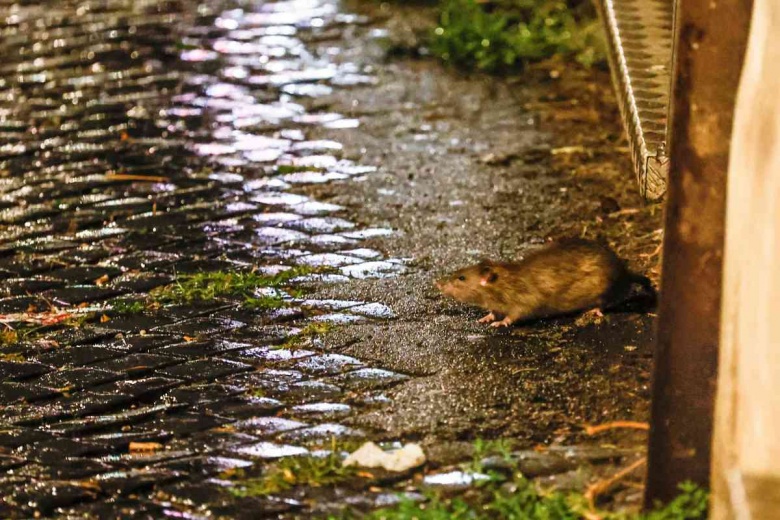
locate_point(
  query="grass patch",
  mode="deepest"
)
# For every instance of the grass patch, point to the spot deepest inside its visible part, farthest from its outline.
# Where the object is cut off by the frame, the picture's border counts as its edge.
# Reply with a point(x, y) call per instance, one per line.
point(520, 500)
point(196, 287)
point(505, 35)
point(516, 498)
point(295, 471)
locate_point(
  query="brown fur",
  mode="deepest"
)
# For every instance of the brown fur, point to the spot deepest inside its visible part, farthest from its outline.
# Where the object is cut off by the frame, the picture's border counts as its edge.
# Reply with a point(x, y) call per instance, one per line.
point(564, 277)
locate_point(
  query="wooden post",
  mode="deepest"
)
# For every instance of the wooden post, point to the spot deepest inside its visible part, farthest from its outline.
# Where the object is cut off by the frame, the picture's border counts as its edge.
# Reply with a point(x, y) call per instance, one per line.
point(746, 447)
point(710, 43)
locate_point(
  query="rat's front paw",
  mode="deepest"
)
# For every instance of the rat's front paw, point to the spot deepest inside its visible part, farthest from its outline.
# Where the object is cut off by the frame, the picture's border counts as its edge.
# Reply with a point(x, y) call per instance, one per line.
point(487, 319)
point(503, 323)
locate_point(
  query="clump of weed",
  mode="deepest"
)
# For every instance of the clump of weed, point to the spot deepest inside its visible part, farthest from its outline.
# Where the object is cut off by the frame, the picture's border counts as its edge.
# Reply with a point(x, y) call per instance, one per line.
point(487, 448)
point(691, 504)
point(503, 35)
point(520, 500)
point(266, 302)
point(255, 392)
point(126, 306)
point(190, 288)
point(13, 357)
point(8, 337)
point(289, 472)
point(516, 497)
point(311, 330)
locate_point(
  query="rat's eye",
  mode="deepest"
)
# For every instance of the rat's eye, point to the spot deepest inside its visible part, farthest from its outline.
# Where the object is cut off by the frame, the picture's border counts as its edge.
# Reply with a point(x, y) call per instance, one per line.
point(462, 278)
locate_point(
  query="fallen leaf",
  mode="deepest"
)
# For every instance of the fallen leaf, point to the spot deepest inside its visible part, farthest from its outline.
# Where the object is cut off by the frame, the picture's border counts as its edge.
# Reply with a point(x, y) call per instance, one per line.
point(144, 447)
point(103, 280)
point(104, 319)
point(567, 150)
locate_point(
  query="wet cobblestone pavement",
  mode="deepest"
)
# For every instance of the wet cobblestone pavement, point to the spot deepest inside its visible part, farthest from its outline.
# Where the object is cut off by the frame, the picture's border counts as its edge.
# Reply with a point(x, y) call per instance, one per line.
point(142, 141)
point(149, 147)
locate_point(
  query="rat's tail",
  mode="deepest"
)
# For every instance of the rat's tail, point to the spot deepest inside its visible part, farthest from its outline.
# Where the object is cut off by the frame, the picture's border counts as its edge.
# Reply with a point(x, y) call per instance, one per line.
point(646, 284)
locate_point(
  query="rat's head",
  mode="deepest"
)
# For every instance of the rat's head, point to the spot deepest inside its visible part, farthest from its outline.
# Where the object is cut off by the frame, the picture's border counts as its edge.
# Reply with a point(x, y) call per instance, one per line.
point(468, 284)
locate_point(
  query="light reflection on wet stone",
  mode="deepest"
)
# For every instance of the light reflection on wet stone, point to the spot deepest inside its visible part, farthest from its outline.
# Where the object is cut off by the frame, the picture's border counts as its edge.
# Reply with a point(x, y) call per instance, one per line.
point(211, 146)
point(327, 260)
point(270, 450)
point(324, 431)
point(372, 270)
point(454, 479)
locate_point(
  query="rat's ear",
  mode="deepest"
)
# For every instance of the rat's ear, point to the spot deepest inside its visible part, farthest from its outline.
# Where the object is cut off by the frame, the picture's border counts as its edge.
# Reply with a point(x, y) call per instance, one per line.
point(488, 276)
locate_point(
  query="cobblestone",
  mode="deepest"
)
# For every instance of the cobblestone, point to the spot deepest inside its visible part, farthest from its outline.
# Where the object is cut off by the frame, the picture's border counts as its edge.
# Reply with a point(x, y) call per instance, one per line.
point(141, 141)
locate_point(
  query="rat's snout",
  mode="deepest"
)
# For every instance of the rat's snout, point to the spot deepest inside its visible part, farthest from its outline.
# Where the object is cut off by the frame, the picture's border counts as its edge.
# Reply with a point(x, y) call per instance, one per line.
point(442, 285)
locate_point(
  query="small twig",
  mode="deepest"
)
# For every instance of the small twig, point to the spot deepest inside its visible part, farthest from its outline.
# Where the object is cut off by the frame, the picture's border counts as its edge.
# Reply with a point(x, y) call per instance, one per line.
point(635, 425)
point(131, 177)
point(626, 211)
point(654, 253)
point(597, 489)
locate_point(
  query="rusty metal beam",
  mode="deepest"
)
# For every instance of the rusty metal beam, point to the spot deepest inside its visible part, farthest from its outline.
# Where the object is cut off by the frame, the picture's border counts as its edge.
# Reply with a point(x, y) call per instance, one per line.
point(711, 36)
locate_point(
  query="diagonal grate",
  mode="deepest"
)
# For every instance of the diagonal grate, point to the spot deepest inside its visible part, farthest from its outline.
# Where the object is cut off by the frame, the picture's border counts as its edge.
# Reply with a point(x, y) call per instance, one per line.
point(640, 40)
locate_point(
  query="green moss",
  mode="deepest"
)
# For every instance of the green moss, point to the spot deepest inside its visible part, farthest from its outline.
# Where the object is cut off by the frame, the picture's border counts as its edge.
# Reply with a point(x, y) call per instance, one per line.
point(264, 303)
point(503, 35)
point(255, 392)
point(295, 471)
point(311, 330)
point(208, 286)
point(284, 169)
point(125, 306)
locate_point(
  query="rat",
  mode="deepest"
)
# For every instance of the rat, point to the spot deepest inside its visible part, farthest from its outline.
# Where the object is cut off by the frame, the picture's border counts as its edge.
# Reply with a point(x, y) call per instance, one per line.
point(564, 277)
